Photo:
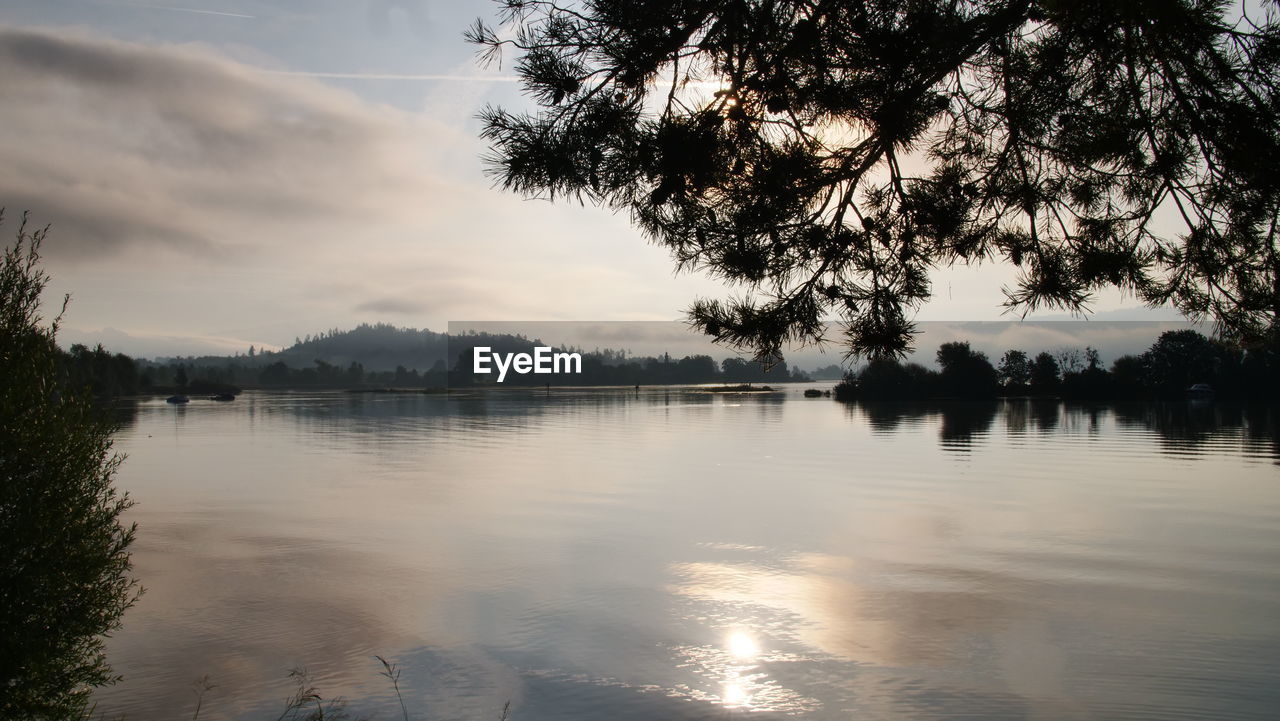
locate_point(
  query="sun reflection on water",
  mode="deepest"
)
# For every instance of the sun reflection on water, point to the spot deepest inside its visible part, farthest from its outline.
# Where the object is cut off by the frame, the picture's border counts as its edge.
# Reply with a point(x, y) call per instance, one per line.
point(742, 646)
point(735, 696)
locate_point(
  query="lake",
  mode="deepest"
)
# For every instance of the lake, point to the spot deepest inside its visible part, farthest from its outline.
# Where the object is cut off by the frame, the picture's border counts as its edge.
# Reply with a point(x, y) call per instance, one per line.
point(672, 554)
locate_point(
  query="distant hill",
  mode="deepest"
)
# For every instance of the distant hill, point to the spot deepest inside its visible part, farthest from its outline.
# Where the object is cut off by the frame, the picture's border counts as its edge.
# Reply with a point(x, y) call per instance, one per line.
point(383, 356)
point(378, 347)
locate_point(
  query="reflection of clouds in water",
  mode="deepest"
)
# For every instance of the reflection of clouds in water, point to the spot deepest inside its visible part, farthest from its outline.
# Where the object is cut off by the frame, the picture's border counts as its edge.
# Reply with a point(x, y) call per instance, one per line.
point(243, 610)
point(722, 688)
point(802, 627)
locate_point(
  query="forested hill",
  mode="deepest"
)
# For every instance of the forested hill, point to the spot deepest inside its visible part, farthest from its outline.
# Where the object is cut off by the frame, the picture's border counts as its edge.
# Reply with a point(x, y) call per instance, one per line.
point(386, 356)
point(380, 347)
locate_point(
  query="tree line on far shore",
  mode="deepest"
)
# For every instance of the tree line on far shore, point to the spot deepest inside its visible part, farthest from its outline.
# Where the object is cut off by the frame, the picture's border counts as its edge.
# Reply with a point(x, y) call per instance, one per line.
point(1175, 362)
point(109, 375)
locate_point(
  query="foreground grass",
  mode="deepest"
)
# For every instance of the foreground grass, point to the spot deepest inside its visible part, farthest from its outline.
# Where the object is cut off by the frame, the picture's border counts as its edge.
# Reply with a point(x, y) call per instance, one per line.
point(307, 703)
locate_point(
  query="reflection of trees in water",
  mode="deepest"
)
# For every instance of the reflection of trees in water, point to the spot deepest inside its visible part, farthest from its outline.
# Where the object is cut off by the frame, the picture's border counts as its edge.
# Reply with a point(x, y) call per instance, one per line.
point(1023, 415)
point(385, 416)
point(887, 416)
point(963, 422)
point(1045, 413)
point(124, 412)
point(959, 422)
point(1017, 415)
point(1194, 425)
point(1262, 430)
point(1083, 418)
point(1181, 426)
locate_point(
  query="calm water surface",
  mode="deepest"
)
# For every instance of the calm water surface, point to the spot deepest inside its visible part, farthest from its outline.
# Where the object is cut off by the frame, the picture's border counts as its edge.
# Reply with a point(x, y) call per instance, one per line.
point(674, 555)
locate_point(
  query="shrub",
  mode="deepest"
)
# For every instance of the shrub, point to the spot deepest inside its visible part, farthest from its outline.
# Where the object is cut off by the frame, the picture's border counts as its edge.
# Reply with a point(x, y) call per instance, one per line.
point(64, 561)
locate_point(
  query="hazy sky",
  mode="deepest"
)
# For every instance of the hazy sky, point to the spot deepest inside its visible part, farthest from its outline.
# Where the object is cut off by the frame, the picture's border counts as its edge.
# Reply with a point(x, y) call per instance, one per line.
point(224, 173)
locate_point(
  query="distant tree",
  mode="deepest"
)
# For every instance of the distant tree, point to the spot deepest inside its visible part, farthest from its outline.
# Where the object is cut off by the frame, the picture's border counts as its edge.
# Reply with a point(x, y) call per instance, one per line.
point(887, 379)
point(1015, 371)
point(1180, 358)
point(252, 351)
point(1089, 380)
point(64, 551)
point(100, 372)
point(1045, 375)
point(966, 373)
point(696, 369)
point(828, 372)
point(1070, 360)
point(1128, 375)
point(734, 369)
point(275, 374)
point(180, 378)
point(355, 372)
point(825, 155)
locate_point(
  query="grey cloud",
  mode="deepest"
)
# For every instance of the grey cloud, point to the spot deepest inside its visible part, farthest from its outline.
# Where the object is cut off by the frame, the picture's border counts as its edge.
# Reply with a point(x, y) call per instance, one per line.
point(123, 144)
point(156, 346)
point(402, 306)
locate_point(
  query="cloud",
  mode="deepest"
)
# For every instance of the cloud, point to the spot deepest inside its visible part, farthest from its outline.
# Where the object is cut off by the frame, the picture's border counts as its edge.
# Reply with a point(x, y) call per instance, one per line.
point(458, 77)
point(144, 345)
point(123, 145)
point(392, 305)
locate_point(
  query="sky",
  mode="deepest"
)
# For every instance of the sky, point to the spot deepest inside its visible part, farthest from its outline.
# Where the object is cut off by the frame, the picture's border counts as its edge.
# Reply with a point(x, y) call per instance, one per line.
point(217, 174)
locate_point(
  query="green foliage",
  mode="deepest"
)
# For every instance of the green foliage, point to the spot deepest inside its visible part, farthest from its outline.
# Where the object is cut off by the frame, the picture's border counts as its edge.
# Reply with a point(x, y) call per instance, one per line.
point(104, 374)
point(825, 155)
point(64, 560)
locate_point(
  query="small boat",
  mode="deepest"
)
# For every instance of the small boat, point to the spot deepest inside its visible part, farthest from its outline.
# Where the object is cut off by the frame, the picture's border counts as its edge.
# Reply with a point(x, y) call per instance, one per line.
point(177, 399)
point(1200, 390)
point(739, 388)
point(812, 393)
point(223, 397)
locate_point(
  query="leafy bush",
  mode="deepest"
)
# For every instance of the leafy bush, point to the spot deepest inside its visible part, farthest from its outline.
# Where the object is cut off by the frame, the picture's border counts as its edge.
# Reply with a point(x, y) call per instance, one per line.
point(64, 561)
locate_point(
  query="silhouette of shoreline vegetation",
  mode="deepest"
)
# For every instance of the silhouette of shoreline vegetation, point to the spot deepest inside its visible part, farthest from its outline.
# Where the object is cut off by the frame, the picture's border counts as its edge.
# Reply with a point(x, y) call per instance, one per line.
point(385, 358)
point(64, 551)
point(1178, 360)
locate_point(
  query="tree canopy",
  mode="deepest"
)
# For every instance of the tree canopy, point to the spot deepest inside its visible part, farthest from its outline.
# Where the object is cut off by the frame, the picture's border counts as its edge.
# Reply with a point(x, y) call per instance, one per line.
point(824, 156)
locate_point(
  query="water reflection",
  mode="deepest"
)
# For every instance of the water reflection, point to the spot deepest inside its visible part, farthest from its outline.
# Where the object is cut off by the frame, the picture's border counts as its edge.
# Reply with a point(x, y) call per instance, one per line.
point(1182, 425)
point(1206, 426)
point(962, 423)
point(682, 555)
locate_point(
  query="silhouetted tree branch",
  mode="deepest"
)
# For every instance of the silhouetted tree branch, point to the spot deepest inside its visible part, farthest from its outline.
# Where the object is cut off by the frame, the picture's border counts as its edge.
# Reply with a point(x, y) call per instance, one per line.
point(824, 156)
